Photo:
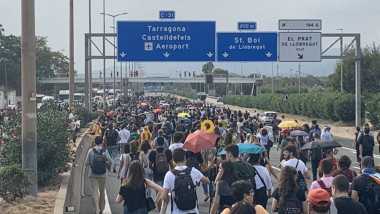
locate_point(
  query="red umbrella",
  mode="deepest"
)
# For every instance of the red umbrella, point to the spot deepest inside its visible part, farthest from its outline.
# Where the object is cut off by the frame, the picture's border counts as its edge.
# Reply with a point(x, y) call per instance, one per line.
point(158, 110)
point(199, 141)
point(111, 113)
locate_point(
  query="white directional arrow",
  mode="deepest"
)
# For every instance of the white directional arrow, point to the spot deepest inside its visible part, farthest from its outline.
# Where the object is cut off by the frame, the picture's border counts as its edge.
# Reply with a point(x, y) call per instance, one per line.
point(209, 54)
point(225, 54)
point(268, 54)
point(166, 54)
point(123, 54)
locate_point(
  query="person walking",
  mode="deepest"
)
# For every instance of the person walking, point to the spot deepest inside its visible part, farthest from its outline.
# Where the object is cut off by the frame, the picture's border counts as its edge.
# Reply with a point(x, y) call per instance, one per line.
point(263, 190)
point(124, 135)
point(223, 195)
point(326, 180)
point(319, 202)
point(366, 144)
point(264, 138)
point(134, 154)
point(181, 182)
point(146, 149)
point(288, 194)
point(110, 138)
point(97, 158)
point(326, 135)
point(342, 202)
point(344, 164)
point(132, 192)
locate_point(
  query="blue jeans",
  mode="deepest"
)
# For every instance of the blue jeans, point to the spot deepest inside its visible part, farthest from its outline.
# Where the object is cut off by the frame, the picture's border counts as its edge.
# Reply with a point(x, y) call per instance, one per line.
point(112, 150)
point(142, 210)
point(149, 175)
point(208, 188)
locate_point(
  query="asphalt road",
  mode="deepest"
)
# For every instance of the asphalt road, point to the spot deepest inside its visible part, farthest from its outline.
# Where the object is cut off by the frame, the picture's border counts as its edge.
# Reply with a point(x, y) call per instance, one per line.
point(113, 185)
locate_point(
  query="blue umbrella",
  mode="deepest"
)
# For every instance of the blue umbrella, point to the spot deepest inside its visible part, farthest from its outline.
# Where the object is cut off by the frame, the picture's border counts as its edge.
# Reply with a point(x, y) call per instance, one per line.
point(247, 148)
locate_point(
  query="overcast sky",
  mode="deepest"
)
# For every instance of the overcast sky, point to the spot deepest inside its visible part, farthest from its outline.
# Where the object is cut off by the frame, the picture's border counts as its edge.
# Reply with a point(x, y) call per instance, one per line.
point(52, 21)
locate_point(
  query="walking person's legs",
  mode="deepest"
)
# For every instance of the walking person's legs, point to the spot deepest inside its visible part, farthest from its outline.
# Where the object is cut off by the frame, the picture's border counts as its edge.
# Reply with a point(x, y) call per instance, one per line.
point(95, 193)
point(102, 198)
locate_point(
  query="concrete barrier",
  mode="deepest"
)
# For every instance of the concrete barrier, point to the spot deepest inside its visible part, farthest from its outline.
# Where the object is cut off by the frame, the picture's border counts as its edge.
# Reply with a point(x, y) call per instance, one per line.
point(69, 195)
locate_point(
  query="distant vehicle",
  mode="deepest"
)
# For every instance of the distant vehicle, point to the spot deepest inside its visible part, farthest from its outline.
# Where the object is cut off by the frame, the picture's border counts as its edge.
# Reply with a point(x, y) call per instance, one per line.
point(267, 117)
point(46, 99)
point(79, 97)
point(64, 95)
point(202, 96)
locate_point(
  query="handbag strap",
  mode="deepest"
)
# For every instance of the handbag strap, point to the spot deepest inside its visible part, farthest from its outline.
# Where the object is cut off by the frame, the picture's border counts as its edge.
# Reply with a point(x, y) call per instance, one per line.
point(260, 178)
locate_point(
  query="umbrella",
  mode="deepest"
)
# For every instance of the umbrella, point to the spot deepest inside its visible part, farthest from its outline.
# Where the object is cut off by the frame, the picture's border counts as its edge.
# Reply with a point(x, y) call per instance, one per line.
point(158, 110)
point(288, 124)
point(111, 113)
point(321, 144)
point(298, 133)
point(192, 107)
point(199, 141)
point(249, 148)
point(180, 109)
point(144, 104)
point(183, 115)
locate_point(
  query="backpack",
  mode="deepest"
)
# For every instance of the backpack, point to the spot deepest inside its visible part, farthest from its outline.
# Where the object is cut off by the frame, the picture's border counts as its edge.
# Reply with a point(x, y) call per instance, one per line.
point(111, 136)
point(368, 144)
point(161, 162)
point(212, 172)
point(185, 191)
point(134, 157)
point(291, 205)
point(323, 186)
point(168, 128)
point(300, 179)
point(99, 162)
point(372, 196)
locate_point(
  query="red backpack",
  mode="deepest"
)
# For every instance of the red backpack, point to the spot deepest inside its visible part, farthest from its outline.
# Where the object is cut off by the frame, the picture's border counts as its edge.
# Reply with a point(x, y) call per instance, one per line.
point(323, 186)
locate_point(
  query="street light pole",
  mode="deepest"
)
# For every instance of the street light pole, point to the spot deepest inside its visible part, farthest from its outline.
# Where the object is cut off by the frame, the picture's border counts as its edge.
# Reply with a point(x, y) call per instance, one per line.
point(114, 50)
point(341, 60)
point(272, 79)
point(71, 67)
point(104, 56)
point(299, 78)
point(28, 92)
point(89, 62)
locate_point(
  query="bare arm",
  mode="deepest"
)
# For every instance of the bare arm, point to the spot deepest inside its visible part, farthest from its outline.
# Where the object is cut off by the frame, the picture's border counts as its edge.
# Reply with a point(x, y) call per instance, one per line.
point(274, 205)
point(165, 196)
point(306, 175)
point(119, 199)
point(120, 167)
point(126, 166)
point(354, 195)
point(156, 187)
point(205, 180)
point(361, 150)
point(87, 163)
point(215, 203)
point(143, 157)
point(304, 207)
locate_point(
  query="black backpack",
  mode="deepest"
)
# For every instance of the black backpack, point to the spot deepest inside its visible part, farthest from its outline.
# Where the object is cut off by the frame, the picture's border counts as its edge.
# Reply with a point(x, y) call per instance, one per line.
point(161, 162)
point(185, 191)
point(291, 205)
point(372, 196)
point(368, 144)
point(134, 157)
point(111, 136)
point(300, 179)
point(99, 162)
point(192, 161)
point(168, 128)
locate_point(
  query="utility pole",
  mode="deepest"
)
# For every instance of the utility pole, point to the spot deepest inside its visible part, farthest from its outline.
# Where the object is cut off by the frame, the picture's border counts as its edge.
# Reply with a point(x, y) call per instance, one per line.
point(71, 85)
point(299, 78)
point(89, 62)
point(341, 60)
point(28, 92)
point(104, 55)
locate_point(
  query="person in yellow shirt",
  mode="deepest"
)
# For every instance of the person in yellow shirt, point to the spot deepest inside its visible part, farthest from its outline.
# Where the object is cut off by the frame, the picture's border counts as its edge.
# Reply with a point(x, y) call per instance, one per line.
point(243, 191)
point(223, 121)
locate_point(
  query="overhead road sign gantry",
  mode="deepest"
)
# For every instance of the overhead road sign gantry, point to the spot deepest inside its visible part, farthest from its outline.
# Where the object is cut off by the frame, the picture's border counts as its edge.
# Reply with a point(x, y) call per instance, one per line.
point(300, 24)
point(166, 41)
point(245, 47)
point(300, 47)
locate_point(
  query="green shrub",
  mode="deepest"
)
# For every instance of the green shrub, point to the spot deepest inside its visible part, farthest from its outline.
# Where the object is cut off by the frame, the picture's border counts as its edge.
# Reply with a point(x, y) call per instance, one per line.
point(13, 183)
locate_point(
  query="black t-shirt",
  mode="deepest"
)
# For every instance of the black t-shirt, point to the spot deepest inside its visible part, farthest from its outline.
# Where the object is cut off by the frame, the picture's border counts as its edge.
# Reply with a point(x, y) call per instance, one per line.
point(111, 136)
point(152, 158)
point(300, 195)
point(345, 205)
point(133, 199)
point(359, 184)
point(367, 142)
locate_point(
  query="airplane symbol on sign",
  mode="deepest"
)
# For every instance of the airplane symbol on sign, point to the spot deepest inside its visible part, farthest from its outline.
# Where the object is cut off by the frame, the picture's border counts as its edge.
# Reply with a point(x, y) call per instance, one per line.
point(300, 56)
point(148, 46)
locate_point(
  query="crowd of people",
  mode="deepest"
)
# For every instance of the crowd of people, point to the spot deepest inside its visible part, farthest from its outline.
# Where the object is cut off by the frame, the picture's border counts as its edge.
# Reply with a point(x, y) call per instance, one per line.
point(148, 136)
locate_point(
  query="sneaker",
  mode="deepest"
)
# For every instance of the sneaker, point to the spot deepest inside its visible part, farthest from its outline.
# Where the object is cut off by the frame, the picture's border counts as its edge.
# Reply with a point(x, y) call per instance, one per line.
point(114, 170)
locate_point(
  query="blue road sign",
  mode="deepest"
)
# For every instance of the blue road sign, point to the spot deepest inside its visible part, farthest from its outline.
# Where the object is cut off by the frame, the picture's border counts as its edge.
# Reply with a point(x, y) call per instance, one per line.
point(246, 25)
point(167, 14)
point(165, 41)
point(247, 47)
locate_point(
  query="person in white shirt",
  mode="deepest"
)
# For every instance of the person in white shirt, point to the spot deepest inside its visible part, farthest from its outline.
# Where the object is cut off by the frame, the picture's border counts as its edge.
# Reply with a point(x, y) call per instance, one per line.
point(290, 153)
point(177, 138)
point(124, 137)
point(179, 157)
point(264, 187)
point(326, 135)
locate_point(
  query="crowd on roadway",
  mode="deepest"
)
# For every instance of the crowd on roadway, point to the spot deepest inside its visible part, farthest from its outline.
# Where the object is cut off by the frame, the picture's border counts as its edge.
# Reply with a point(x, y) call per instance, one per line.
point(154, 140)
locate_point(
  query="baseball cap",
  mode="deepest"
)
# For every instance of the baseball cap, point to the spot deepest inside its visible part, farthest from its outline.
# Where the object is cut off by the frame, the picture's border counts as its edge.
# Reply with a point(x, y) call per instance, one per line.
point(319, 198)
point(327, 127)
point(286, 130)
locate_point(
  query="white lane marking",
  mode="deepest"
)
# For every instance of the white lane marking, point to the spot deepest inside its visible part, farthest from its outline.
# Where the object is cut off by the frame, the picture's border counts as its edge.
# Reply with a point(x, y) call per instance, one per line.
point(354, 150)
point(107, 208)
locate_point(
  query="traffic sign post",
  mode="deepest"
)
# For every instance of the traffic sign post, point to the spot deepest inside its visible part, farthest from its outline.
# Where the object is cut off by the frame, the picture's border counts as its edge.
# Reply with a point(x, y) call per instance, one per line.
point(166, 41)
point(300, 47)
point(247, 47)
